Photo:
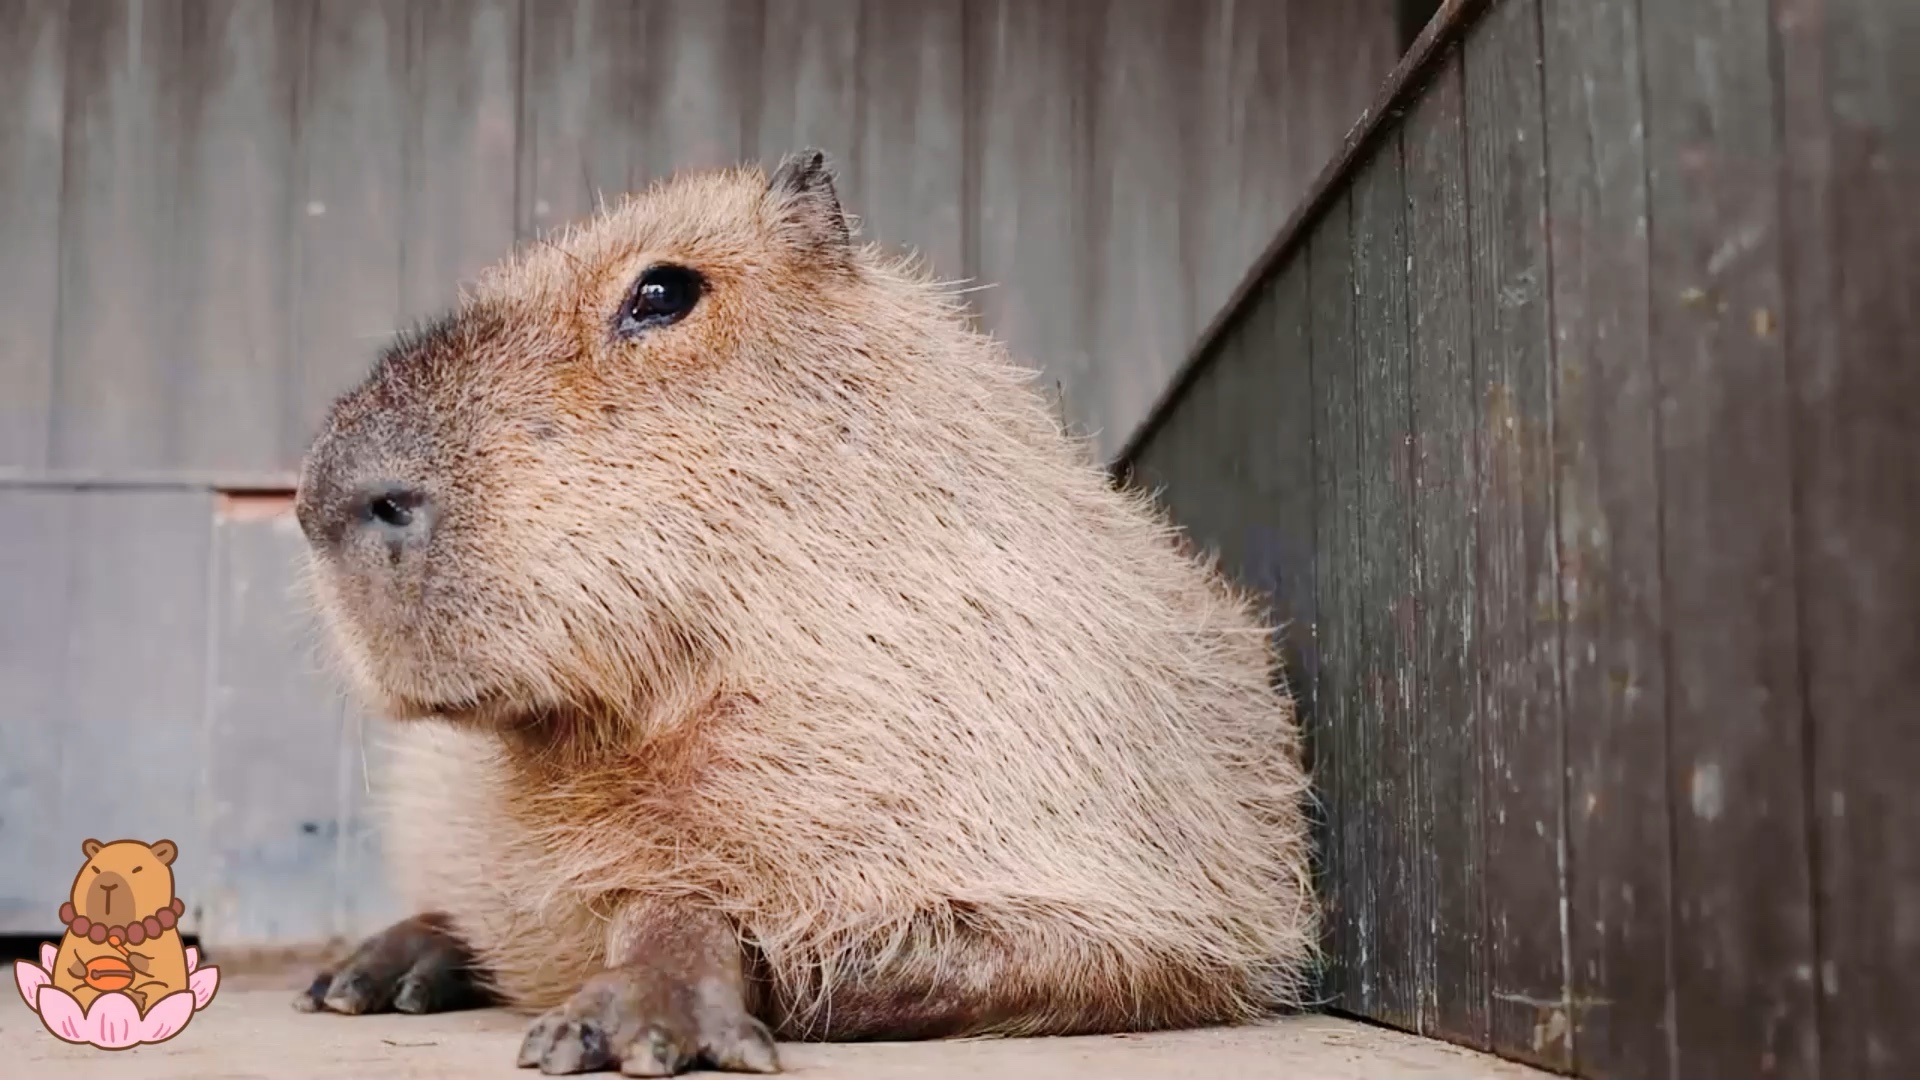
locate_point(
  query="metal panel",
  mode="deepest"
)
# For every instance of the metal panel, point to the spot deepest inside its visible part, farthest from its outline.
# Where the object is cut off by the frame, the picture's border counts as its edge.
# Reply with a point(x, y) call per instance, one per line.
point(32, 95)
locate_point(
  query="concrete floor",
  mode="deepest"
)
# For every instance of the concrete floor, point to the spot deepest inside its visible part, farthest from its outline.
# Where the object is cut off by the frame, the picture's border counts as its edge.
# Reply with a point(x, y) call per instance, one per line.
point(249, 1032)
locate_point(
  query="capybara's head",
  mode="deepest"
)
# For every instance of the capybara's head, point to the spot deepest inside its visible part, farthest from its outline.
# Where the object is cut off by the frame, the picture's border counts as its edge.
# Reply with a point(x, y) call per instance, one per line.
point(540, 502)
point(124, 881)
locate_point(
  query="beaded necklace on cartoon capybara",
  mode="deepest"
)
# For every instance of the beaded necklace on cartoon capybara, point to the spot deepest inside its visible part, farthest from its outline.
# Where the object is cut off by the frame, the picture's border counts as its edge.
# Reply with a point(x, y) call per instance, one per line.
point(111, 976)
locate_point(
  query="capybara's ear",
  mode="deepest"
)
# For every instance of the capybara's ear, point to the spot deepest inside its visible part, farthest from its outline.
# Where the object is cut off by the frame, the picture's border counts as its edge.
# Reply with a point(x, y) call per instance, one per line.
point(91, 847)
point(165, 851)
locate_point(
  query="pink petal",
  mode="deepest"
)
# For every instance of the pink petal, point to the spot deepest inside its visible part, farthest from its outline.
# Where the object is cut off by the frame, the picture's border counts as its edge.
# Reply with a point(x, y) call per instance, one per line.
point(167, 1016)
point(203, 983)
point(29, 979)
point(193, 958)
point(61, 1014)
point(113, 1022)
point(48, 950)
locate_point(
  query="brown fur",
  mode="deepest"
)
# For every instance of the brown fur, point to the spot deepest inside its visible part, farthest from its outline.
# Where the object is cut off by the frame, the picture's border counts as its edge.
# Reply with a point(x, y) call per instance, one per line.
point(140, 877)
point(805, 611)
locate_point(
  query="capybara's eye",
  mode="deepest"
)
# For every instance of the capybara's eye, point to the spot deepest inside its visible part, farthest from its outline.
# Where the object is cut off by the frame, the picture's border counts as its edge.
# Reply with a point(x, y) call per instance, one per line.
point(664, 294)
point(135, 870)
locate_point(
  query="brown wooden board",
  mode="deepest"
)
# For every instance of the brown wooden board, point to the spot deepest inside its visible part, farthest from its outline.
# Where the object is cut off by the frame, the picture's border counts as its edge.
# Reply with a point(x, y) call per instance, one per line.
point(1029, 83)
point(1384, 737)
point(117, 227)
point(1742, 937)
point(32, 93)
point(1851, 252)
point(912, 153)
point(1516, 651)
point(462, 129)
point(1608, 499)
point(348, 226)
point(1142, 280)
point(582, 96)
point(1450, 940)
point(702, 60)
point(1338, 719)
point(227, 258)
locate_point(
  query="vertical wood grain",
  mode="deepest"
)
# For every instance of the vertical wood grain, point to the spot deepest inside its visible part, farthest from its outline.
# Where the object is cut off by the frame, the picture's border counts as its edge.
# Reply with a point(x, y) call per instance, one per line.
point(1608, 490)
point(33, 51)
point(911, 163)
point(703, 61)
point(1743, 922)
point(582, 102)
point(1517, 638)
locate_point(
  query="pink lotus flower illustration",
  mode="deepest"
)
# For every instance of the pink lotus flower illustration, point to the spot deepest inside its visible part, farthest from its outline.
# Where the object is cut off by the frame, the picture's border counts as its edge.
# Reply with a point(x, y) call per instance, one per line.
point(113, 1022)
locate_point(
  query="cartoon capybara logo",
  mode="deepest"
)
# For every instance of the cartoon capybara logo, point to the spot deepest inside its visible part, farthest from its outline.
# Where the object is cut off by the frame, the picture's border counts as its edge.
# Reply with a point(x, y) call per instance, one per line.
point(121, 975)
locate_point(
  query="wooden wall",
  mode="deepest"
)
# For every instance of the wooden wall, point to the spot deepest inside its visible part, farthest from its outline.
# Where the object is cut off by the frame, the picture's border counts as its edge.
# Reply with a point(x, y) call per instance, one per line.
point(1573, 426)
point(212, 213)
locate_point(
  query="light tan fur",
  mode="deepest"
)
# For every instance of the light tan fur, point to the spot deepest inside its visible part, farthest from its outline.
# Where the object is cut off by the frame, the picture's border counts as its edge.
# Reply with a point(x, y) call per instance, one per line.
point(806, 611)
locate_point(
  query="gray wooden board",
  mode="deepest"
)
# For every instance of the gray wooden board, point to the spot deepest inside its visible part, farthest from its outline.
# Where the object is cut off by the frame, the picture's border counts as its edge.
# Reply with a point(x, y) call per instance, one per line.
point(703, 62)
point(912, 154)
point(1032, 126)
point(32, 97)
point(1852, 259)
point(1450, 945)
point(582, 107)
point(122, 142)
point(1384, 737)
point(348, 220)
point(1608, 501)
point(1142, 280)
point(37, 568)
point(1517, 638)
point(282, 744)
point(1336, 440)
point(117, 636)
point(462, 131)
point(1743, 936)
point(810, 86)
point(226, 259)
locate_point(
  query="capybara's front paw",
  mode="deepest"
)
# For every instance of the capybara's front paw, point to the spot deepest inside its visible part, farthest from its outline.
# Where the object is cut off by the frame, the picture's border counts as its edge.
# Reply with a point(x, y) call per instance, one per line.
point(646, 1023)
point(416, 965)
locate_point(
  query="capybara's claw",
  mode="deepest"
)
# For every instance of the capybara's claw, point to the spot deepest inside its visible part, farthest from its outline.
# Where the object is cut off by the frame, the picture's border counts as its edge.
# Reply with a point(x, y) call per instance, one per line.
point(416, 965)
point(644, 1023)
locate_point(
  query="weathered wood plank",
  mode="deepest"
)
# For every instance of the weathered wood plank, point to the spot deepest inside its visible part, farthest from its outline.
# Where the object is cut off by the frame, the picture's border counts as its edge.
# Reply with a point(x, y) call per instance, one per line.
point(348, 227)
point(274, 730)
point(1608, 492)
point(462, 113)
point(1029, 96)
point(1516, 653)
point(37, 565)
point(1450, 945)
point(1281, 560)
point(1852, 259)
point(582, 102)
point(132, 681)
point(227, 257)
point(1385, 736)
point(122, 132)
point(1337, 538)
point(810, 92)
point(912, 158)
point(703, 60)
point(1144, 267)
point(33, 53)
point(1743, 946)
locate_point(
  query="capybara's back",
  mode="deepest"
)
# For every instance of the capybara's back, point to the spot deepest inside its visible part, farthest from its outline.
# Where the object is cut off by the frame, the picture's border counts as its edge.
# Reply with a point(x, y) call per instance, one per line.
point(748, 588)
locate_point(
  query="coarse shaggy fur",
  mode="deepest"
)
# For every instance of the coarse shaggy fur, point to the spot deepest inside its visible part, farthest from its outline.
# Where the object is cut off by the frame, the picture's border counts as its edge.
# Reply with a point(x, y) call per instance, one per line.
point(806, 610)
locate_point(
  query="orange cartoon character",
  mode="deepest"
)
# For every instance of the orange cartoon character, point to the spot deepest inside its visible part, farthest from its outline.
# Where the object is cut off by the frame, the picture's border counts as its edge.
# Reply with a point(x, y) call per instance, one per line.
point(122, 926)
